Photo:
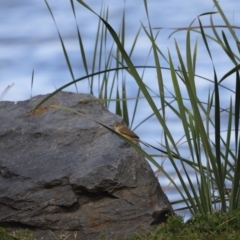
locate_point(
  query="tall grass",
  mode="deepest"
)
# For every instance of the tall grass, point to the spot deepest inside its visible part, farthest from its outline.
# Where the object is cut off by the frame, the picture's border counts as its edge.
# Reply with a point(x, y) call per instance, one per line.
point(208, 180)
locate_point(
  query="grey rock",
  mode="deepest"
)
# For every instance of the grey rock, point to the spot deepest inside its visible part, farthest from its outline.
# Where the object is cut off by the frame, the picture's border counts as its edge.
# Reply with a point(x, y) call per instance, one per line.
point(63, 174)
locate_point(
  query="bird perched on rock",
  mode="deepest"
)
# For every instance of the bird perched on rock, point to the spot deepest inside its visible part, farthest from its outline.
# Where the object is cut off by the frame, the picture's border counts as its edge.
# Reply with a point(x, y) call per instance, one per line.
point(127, 133)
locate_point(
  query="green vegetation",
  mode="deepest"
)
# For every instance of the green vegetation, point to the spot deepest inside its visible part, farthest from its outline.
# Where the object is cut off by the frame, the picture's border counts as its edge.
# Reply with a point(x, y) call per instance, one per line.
point(208, 226)
point(15, 235)
point(209, 178)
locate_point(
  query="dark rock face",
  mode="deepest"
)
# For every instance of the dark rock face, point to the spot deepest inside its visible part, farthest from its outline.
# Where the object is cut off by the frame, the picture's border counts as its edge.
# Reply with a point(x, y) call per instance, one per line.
point(63, 174)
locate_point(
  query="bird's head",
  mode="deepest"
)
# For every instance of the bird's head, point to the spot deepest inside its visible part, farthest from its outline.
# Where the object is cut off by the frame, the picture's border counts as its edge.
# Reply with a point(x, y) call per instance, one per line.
point(116, 126)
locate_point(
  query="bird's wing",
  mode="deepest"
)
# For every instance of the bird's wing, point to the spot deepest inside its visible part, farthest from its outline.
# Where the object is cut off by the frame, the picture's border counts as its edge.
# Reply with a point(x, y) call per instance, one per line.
point(129, 133)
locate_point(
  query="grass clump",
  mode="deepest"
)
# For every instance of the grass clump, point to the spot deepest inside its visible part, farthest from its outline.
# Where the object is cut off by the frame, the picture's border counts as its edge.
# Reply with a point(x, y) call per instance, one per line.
point(205, 161)
point(16, 235)
point(4, 235)
point(217, 225)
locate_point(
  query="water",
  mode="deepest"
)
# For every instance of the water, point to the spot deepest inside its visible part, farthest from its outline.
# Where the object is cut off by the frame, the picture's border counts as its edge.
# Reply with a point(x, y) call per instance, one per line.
point(29, 41)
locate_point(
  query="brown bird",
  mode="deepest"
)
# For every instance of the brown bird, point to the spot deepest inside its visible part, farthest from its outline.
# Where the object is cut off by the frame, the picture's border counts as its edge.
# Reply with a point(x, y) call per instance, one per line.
point(127, 133)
